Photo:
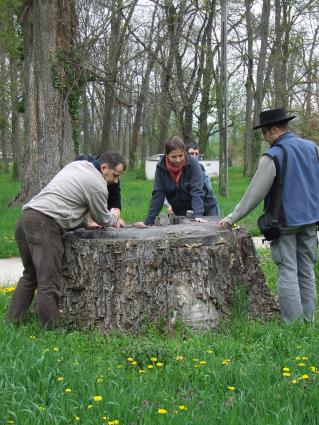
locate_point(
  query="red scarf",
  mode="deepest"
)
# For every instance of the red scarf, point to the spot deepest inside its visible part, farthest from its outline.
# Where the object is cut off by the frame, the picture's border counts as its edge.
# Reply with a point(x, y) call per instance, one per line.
point(175, 170)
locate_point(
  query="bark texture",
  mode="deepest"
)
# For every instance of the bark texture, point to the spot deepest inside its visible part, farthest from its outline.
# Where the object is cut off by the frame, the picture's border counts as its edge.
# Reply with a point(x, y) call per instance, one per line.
point(118, 279)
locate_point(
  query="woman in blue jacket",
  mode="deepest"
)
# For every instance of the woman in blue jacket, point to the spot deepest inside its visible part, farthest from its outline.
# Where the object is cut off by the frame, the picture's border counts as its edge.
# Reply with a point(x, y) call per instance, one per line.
point(179, 178)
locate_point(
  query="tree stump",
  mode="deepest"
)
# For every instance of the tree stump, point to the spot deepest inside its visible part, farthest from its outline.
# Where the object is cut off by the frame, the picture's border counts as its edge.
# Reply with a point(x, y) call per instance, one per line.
point(118, 279)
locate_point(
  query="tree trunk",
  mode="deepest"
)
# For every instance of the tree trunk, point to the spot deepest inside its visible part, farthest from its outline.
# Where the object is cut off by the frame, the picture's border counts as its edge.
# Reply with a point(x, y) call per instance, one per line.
point(4, 118)
point(249, 91)
point(135, 276)
point(15, 125)
point(87, 145)
point(48, 31)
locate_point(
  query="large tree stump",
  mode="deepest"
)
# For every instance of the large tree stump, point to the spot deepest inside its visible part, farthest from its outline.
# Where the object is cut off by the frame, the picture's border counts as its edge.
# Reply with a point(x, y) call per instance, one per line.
point(118, 279)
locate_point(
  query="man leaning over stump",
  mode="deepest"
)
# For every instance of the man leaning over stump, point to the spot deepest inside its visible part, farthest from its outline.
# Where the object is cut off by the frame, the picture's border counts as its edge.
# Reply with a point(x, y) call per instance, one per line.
point(78, 189)
point(295, 251)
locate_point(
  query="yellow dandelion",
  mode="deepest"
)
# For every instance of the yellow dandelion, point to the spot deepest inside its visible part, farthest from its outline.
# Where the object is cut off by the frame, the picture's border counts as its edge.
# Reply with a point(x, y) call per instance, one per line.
point(42, 408)
point(68, 390)
point(286, 369)
point(134, 363)
point(298, 358)
point(55, 349)
point(209, 351)
point(231, 388)
point(130, 359)
point(287, 374)
point(304, 358)
point(305, 376)
point(294, 381)
point(202, 362)
point(313, 369)
point(182, 407)
point(142, 371)
point(32, 337)
point(150, 366)
point(162, 411)
point(60, 378)
point(195, 360)
point(97, 398)
point(99, 380)
point(159, 364)
point(105, 418)
point(77, 418)
point(10, 421)
point(114, 422)
point(47, 350)
point(179, 358)
point(226, 362)
point(196, 365)
point(90, 406)
point(301, 364)
point(153, 359)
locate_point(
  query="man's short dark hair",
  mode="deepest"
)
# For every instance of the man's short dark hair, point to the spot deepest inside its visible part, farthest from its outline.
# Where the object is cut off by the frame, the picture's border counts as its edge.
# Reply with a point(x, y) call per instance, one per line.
point(283, 125)
point(112, 159)
point(174, 143)
point(192, 145)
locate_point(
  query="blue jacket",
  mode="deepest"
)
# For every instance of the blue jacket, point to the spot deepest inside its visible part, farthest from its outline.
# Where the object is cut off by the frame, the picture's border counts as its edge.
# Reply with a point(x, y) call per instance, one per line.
point(300, 198)
point(189, 194)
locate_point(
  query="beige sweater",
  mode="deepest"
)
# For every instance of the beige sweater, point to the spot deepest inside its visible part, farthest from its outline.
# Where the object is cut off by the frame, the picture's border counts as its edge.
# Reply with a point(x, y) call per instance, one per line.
point(77, 189)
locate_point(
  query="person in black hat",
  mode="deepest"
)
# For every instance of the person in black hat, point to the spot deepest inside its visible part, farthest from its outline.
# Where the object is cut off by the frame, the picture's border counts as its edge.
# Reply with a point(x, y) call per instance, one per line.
point(288, 172)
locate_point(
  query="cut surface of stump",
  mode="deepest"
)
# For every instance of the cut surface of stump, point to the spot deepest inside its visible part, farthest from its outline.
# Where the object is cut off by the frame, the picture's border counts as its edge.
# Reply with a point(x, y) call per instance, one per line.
point(120, 279)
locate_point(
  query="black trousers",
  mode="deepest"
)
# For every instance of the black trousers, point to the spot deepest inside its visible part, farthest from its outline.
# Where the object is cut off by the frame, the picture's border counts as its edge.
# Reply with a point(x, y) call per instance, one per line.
point(39, 238)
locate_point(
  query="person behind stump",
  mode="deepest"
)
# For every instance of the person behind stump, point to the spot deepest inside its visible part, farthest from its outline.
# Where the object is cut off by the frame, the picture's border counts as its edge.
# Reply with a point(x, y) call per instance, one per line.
point(295, 251)
point(78, 189)
point(179, 179)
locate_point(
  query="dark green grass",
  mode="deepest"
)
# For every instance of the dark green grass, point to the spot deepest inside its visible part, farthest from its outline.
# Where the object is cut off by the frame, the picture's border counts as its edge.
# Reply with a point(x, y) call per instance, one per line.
point(90, 365)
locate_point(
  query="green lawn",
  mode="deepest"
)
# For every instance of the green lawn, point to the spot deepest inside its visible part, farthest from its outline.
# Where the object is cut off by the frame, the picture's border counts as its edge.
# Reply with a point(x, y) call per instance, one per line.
point(136, 195)
point(233, 376)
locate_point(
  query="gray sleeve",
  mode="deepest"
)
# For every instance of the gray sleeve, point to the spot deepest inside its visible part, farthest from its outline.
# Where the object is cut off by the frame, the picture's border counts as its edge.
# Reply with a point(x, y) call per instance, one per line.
point(99, 209)
point(257, 190)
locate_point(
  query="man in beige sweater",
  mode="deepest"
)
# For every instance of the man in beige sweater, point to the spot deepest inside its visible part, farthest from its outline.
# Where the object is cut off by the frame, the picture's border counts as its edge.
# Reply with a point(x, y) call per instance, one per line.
point(78, 189)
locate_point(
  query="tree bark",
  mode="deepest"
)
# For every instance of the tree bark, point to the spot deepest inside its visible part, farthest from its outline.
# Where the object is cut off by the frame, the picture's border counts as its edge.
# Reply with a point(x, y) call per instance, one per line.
point(4, 115)
point(48, 30)
point(87, 145)
point(135, 275)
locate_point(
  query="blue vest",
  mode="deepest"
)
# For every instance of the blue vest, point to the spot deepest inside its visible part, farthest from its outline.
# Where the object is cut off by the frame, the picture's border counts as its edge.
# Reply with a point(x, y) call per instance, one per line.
point(300, 198)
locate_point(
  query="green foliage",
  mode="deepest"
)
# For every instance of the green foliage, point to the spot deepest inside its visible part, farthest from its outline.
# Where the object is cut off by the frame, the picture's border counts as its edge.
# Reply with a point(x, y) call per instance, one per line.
point(11, 37)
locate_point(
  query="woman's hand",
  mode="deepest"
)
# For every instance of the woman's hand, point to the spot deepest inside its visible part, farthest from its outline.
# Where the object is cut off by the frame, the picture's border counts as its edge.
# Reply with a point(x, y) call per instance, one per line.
point(120, 223)
point(200, 220)
point(91, 224)
point(140, 225)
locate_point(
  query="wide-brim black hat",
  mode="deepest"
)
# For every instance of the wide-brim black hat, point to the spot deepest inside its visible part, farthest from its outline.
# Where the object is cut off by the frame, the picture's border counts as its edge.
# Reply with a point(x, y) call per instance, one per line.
point(273, 116)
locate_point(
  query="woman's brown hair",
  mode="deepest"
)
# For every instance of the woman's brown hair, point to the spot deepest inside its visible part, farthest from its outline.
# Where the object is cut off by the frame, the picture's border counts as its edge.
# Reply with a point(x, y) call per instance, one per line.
point(173, 143)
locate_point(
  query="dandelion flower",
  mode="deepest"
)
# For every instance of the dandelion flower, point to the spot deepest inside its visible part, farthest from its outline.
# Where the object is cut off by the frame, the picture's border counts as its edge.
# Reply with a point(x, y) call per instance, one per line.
point(159, 364)
point(60, 378)
point(97, 398)
point(286, 374)
point(142, 371)
point(32, 337)
point(294, 381)
point(153, 359)
point(150, 366)
point(162, 411)
point(286, 369)
point(68, 390)
point(195, 360)
point(231, 388)
point(90, 406)
point(130, 359)
point(77, 418)
point(210, 351)
point(313, 369)
point(305, 376)
point(202, 362)
point(226, 362)
point(55, 349)
point(182, 407)
point(179, 358)
point(114, 422)
point(298, 358)
point(134, 363)
point(304, 358)
point(301, 364)
point(42, 408)
point(99, 380)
